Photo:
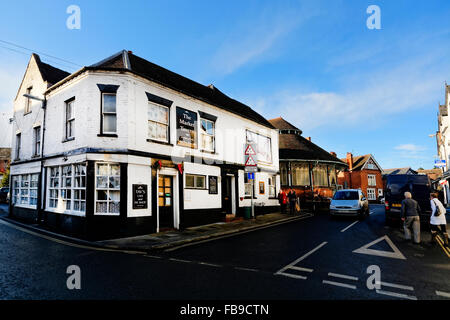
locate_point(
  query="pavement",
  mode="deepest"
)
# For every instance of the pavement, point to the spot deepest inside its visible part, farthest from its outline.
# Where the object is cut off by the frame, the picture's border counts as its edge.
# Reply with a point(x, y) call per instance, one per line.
point(173, 238)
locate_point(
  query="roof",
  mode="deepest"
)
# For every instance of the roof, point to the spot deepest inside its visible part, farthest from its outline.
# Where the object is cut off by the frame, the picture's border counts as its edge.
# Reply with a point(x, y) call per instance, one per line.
point(49, 73)
point(294, 146)
point(127, 61)
point(406, 170)
point(282, 124)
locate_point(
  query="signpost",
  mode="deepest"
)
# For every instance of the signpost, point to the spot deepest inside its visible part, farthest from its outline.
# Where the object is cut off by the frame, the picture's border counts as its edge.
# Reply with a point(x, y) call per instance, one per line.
point(251, 166)
point(439, 163)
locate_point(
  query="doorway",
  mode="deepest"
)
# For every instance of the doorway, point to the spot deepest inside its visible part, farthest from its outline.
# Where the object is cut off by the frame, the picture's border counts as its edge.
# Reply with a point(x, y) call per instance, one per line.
point(228, 194)
point(165, 202)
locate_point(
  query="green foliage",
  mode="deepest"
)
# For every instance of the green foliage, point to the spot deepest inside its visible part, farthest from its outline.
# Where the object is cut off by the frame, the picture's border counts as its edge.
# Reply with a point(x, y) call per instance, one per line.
point(5, 180)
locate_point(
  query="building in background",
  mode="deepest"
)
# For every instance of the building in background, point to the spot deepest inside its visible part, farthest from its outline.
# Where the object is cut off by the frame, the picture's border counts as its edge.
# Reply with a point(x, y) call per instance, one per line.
point(433, 174)
point(363, 173)
point(406, 170)
point(126, 147)
point(304, 166)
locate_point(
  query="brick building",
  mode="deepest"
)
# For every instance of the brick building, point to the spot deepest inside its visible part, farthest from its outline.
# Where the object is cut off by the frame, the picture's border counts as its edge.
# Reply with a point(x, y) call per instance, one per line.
point(363, 173)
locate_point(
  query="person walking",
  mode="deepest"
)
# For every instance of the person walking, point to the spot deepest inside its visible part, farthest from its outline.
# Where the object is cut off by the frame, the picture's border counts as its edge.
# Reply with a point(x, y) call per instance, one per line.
point(437, 219)
point(282, 199)
point(292, 196)
point(411, 217)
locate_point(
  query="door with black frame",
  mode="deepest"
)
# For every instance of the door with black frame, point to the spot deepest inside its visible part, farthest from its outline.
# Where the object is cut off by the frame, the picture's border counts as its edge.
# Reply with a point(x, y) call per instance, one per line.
point(227, 194)
point(165, 202)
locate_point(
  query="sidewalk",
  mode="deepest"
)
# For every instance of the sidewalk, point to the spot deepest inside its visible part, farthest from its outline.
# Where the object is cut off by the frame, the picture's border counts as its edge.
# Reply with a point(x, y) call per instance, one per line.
point(173, 238)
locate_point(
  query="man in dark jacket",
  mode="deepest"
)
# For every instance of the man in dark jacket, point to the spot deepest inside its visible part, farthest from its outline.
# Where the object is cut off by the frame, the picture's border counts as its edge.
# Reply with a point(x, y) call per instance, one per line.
point(292, 196)
point(411, 218)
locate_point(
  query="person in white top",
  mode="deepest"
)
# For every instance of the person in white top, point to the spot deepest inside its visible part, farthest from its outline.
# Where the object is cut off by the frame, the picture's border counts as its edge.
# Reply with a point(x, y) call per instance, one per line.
point(437, 219)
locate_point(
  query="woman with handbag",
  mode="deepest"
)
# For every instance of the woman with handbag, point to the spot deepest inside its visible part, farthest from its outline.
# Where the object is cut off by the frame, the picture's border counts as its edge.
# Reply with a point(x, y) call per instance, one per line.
point(437, 219)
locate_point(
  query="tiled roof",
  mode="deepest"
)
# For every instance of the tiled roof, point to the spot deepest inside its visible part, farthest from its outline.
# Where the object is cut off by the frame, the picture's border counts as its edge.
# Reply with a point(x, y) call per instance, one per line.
point(49, 73)
point(406, 170)
point(280, 123)
point(358, 161)
point(153, 72)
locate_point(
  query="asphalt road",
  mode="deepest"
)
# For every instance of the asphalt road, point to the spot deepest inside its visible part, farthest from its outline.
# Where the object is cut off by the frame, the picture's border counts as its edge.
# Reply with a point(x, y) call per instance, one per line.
point(302, 260)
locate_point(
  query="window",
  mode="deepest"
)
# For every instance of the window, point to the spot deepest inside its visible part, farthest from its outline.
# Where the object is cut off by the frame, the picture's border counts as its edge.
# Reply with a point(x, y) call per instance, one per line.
point(380, 192)
point(158, 122)
point(332, 175)
point(27, 108)
point(195, 181)
point(25, 189)
point(263, 145)
point(70, 120)
point(207, 128)
point(247, 185)
point(300, 174)
point(284, 173)
point(320, 175)
point(371, 194)
point(18, 145)
point(371, 180)
point(107, 195)
point(67, 187)
point(109, 114)
point(37, 141)
point(271, 184)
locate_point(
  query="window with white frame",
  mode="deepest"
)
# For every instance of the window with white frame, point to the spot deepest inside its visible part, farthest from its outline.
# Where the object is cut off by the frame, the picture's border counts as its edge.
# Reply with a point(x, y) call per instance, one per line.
point(36, 141)
point(27, 108)
point(70, 119)
point(18, 145)
point(195, 181)
point(158, 122)
point(109, 113)
point(25, 189)
point(380, 192)
point(263, 145)
point(107, 188)
point(67, 187)
point(371, 180)
point(247, 185)
point(371, 194)
point(207, 132)
point(272, 186)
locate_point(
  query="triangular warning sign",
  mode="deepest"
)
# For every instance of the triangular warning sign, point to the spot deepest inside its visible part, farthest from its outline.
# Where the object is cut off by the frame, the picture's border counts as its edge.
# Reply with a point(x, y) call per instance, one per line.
point(249, 151)
point(250, 162)
point(394, 254)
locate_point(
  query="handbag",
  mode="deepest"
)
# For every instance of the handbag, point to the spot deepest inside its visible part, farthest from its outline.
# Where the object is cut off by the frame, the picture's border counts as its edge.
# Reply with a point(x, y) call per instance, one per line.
point(439, 208)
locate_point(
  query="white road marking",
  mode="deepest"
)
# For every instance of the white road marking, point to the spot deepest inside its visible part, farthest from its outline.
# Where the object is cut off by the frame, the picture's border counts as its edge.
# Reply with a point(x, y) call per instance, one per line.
point(349, 286)
point(343, 276)
point(246, 269)
point(180, 260)
point(398, 286)
point(443, 294)
point(210, 264)
point(155, 257)
point(345, 229)
point(295, 276)
point(397, 295)
point(301, 269)
point(66, 243)
point(301, 258)
point(370, 212)
point(396, 254)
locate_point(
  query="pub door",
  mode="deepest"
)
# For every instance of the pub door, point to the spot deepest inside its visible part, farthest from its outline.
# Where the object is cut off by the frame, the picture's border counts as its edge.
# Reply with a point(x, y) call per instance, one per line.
point(165, 202)
point(227, 197)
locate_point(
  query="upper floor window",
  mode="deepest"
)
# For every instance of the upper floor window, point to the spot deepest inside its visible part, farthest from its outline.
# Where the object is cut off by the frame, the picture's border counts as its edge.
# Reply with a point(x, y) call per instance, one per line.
point(70, 119)
point(109, 113)
point(371, 180)
point(158, 122)
point(207, 133)
point(263, 146)
point(27, 108)
point(18, 145)
point(36, 141)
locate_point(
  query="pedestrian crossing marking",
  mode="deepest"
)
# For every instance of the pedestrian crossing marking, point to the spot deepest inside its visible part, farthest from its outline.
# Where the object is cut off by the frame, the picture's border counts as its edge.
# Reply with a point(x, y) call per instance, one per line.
point(395, 254)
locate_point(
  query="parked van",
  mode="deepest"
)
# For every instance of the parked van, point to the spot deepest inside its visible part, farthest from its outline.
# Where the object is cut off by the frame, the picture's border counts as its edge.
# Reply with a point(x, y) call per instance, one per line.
point(396, 185)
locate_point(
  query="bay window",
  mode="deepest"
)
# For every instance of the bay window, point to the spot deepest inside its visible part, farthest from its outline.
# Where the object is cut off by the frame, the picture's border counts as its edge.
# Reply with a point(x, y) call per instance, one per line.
point(300, 174)
point(320, 175)
point(25, 189)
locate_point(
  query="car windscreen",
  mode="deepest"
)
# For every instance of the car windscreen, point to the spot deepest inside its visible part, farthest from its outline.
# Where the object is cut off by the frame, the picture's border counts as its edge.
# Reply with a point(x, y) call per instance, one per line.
point(346, 195)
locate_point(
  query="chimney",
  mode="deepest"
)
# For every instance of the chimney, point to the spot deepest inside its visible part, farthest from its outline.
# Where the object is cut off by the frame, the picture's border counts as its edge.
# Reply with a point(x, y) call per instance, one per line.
point(333, 154)
point(350, 161)
point(308, 138)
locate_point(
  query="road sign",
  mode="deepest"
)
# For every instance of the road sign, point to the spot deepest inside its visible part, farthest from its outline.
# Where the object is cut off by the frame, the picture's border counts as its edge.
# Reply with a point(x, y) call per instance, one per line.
point(394, 254)
point(251, 169)
point(250, 161)
point(439, 163)
point(250, 150)
point(250, 175)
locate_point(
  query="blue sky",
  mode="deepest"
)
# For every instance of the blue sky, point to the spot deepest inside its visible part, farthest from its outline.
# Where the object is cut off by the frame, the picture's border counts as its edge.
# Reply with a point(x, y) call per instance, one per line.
point(315, 63)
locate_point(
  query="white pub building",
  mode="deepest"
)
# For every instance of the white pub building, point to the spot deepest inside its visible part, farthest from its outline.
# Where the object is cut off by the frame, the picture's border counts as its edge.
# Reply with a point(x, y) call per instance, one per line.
point(125, 147)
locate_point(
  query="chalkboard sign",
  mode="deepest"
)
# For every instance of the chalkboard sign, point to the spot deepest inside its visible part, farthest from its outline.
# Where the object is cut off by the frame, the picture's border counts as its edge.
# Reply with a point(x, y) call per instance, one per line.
point(186, 128)
point(140, 196)
point(212, 183)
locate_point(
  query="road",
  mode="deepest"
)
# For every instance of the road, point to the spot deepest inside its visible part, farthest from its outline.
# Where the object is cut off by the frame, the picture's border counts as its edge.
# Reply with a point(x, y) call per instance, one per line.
point(302, 260)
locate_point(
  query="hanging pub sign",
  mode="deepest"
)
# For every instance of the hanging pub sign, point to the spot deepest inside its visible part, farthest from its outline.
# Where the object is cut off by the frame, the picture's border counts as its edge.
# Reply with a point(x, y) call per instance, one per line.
point(186, 128)
point(140, 196)
point(212, 184)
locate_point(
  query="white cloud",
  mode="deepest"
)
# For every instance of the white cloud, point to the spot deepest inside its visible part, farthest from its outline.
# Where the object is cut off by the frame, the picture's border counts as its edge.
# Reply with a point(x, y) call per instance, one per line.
point(409, 147)
point(10, 78)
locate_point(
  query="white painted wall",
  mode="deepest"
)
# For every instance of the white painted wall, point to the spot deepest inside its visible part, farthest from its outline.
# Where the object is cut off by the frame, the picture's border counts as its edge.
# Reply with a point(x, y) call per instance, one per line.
point(201, 199)
point(139, 172)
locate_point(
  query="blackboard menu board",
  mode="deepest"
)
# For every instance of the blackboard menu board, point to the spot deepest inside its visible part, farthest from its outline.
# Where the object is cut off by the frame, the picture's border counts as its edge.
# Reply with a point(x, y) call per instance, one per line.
point(186, 128)
point(212, 184)
point(140, 198)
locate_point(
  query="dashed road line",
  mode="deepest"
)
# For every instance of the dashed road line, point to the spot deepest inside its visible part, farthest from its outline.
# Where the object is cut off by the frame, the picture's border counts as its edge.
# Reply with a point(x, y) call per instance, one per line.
point(338, 284)
point(180, 260)
point(246, 269)
point(345, 229)
point(295, 276)
point(397, 295)
point(343, 276)
point(210, 264)
point(443, 294)
point(398, 286)
point(301, 269)
point(154, 257)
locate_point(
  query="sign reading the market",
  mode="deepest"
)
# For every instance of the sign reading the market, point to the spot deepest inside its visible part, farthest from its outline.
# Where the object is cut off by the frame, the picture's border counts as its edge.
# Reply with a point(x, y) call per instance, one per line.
point(186, 128)
point(140, 196)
